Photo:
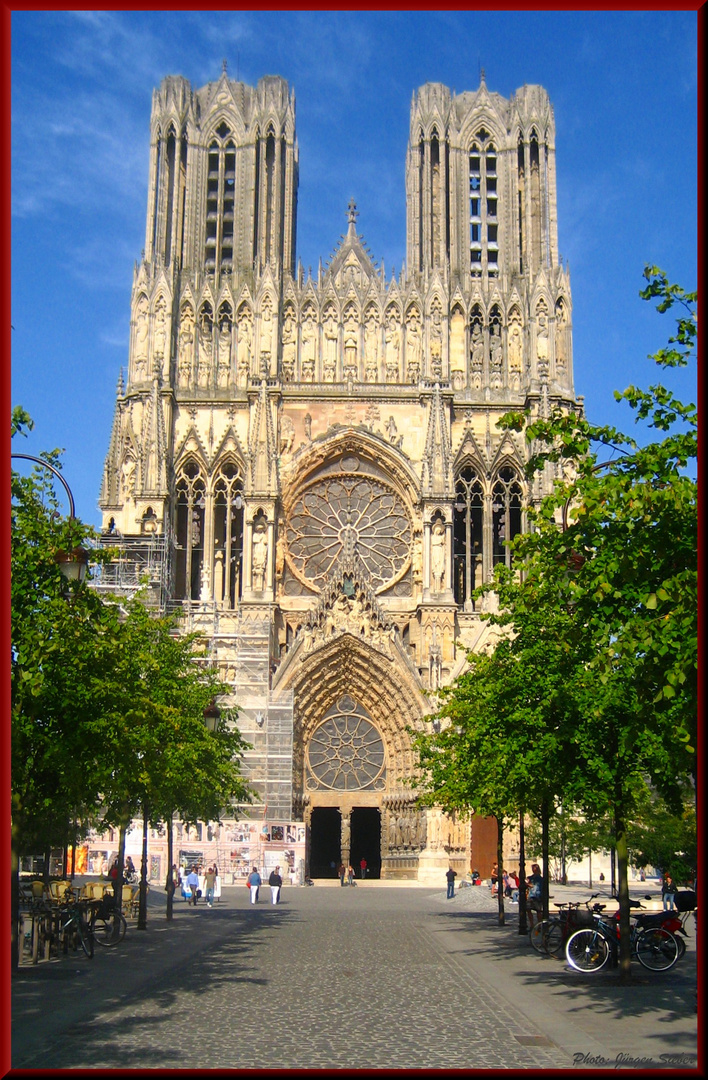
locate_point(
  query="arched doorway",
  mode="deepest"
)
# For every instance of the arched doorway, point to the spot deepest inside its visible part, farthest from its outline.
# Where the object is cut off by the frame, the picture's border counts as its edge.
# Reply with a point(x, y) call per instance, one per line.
point(366, 839)
point(325, 841)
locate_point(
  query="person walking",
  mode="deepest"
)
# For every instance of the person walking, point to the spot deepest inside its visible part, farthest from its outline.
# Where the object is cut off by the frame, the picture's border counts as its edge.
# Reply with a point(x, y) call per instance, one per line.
point(362, 867)
point(342, 871)
point(209, 887)
point(451, 875)
point(193, 883)
point(217, 883)
point(254, 884)
point(276, 883)
point(668, 892)
point(350, 875)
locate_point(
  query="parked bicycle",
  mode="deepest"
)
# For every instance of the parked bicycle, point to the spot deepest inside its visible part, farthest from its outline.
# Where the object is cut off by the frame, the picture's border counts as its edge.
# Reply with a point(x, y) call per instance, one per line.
point(62, 927)
point(589, 949)
point(550, 935)
point(107, 925)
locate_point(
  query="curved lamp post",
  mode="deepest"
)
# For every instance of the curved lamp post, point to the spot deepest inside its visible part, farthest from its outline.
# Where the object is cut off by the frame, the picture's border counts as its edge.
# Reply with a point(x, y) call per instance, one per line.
point(73, 564)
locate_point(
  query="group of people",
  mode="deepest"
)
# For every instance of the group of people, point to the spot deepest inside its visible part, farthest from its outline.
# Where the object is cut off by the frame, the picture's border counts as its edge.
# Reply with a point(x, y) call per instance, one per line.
point(197, 883)
point(254, 882)
point(346, 872)
point(510, 886)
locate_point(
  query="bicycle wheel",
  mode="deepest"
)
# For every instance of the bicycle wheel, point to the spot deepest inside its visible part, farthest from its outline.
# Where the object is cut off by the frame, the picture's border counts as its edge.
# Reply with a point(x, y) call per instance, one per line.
point(656, 949)
point(555, 938)
point(85, 938)
point(587, 950)
point(109, 930)
point(538, 934)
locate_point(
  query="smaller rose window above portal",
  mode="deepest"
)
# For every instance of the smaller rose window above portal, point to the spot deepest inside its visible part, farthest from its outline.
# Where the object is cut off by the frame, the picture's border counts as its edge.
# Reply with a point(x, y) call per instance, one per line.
point(346, 752)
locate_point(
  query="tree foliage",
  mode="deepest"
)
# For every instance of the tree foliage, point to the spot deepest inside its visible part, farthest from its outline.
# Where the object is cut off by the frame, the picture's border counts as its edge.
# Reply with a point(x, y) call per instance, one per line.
point(594, 686)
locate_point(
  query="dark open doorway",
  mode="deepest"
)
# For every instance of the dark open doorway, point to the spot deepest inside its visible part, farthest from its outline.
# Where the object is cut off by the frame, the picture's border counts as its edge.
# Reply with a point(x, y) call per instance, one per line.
point(366, 839)
point(325, 841)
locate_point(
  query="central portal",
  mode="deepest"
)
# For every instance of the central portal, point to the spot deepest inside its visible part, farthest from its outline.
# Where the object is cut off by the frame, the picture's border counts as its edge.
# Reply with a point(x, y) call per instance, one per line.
point(366, 840)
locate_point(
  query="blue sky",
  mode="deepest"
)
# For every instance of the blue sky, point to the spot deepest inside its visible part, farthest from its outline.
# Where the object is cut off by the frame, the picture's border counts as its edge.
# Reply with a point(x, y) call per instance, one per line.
point(624, 90)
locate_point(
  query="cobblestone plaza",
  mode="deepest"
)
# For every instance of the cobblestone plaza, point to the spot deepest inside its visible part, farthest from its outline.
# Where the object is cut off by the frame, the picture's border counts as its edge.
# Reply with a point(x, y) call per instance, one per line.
point(375, 977)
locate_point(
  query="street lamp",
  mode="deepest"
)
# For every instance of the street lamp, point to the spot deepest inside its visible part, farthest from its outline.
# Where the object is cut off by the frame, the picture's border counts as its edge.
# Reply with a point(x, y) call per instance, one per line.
point(212, 715)
point(73, 564)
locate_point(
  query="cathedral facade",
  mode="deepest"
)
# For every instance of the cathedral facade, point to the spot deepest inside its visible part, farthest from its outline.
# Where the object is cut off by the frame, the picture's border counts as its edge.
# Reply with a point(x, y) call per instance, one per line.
point(309, 468)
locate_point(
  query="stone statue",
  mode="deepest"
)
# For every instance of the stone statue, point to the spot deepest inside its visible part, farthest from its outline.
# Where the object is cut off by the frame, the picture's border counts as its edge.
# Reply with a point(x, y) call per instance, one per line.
point(205, 347)
point(330, 349)
point(160, 332)
point(259, 556)
point(351, 335)
point(289, 346)
point(223, 370)
point(495, 356)
point(436, 343)
point(515, 347)
point(140, 351)
point(371, 349)
point(561, 346)
point(437, 557)
point(245, 344)
point(266, 339)
point(307, 422)
point(186, 344)
point(287, 436)
point(542, 341)
point(413, 346)
point(308, 349)
point(393, 349)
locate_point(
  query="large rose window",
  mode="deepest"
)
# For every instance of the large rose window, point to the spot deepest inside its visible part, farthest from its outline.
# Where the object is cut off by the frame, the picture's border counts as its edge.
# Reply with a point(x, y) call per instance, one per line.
point(357, 512)
point(346, 752)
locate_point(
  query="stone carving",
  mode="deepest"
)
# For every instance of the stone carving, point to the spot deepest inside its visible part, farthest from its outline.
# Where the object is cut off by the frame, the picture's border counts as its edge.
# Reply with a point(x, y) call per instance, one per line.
point(393, 349)
point(495, 356)
point(160, 334)
point(140, 352)
point(515, 353)
point(245, 345)
point(287, 436)
point(259, 556)
point(457, 349)
point(371, 348)
point(351, 335)
point(437, 557)
point(330, 348)
point(436, 342)
point(289, 346)
point(347, 614)
point(308, 348)
point(186, 345)
point(476, 355)
point(542, 342)
point(205, 348)
point(392, 432)
point(223, 369)
point(128, 474)
point(266, 338)
point(413, 346)
point(561, 346)
point(307, 423)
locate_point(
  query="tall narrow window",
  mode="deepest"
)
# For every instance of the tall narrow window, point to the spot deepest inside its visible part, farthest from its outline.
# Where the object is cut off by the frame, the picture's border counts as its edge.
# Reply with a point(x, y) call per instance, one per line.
point(506, 515)
point(484, 211)
point(228, 536)
point(190, 504)
point(221, 186)
point(467, 536)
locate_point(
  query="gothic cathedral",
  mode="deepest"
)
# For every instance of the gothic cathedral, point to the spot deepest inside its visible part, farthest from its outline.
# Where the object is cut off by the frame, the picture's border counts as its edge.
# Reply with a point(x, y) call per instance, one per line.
point(308, 467)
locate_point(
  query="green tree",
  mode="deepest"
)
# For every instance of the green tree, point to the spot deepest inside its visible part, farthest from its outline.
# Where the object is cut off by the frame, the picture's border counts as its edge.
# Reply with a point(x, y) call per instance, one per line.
point(625, 563)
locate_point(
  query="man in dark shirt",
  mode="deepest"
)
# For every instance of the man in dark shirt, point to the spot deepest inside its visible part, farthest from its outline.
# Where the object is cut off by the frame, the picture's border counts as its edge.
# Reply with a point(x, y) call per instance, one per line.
point(451, 875)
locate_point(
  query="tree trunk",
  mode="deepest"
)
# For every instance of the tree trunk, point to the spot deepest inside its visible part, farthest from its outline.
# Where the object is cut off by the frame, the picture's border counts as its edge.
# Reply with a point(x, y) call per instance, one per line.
point(500, 869)
point(14, 901)
point(169, 884)
point(142, 906)
point(523, 926)
point(545, 818)
point(118, 880)
point(625, 949)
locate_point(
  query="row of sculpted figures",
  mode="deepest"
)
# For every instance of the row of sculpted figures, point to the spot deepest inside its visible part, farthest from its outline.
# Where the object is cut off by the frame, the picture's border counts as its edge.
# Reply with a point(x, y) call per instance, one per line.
point(217, 350)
